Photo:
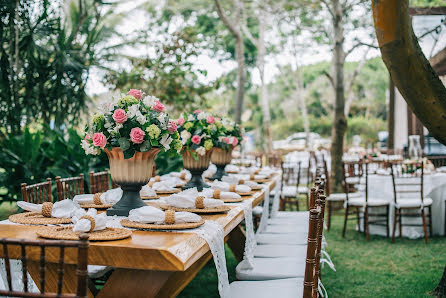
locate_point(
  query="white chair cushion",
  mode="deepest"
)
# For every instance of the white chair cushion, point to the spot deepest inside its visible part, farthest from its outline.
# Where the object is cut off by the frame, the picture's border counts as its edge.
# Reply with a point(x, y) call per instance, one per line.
point(286, 228)
point(303, 189)
point(291, 214)
point(289, 191)
point(290, 238)
point(280, 250)
point(272, 268)
point(370, 202)
point(410, 203)
point(298, 219)
point(283, 288)
point(342, 196)
point(352, 180)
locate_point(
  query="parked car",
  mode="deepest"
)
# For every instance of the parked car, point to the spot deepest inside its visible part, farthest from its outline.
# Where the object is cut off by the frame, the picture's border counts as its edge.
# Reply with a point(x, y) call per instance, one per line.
point(297, 141)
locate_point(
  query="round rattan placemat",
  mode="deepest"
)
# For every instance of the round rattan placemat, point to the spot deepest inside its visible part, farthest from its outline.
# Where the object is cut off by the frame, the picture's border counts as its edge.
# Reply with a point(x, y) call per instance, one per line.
point(262, 180)
point(219, 209)
point(66, 233)
point(257, 187)
point(167, 192)
point(249, 193)
point(150, 198)
point(96, 206)
point(176, 226)
point(34, 218)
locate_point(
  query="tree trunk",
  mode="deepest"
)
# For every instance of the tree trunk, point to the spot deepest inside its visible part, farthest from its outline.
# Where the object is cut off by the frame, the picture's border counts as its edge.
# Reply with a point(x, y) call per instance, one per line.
point(440, 290)
point(391, 118)
point(261, 52)
point(240, 56)
point(340, 121)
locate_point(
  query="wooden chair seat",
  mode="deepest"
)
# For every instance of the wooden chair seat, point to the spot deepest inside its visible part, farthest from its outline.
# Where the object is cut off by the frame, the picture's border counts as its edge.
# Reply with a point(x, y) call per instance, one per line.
point(413, 203)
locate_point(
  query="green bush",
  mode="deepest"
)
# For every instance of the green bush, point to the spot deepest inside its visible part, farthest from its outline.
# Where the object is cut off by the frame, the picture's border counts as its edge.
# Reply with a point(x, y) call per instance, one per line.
point(367, 128)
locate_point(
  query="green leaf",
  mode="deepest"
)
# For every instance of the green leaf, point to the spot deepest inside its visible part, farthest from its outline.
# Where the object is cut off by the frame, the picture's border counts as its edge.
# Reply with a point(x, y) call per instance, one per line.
point(145, 146)
point(124, 144)
point(129, 153)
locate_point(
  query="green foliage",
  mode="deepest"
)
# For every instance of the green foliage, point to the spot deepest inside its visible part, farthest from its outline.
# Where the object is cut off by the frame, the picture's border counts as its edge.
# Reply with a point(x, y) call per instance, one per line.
point(166, 163)
point(34, 156)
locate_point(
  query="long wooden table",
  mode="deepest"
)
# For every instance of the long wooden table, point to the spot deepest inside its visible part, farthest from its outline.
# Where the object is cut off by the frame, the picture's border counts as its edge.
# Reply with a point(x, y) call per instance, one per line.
point(149, 264)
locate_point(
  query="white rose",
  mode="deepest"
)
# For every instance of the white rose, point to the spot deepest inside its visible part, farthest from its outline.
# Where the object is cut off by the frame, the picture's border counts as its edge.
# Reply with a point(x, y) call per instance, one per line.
point(201, 116)
point(117, 127)
point(201, 150)
point(165, 141)
point(185, 135)
point(164, 121)
point(190, 118)
point(149, 100)
point(141, 118)
point(133, 111)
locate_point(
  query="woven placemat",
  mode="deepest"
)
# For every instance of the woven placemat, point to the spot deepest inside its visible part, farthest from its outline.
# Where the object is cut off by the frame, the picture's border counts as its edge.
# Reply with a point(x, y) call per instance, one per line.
point(249, 193)
point(150, 198)
point(167, 192)
point(232, 172)
point(96, 206)
point(262, 180)
point(176, 226)
point(34, 218)
point(231, 200)
point(66, 233)
point(220, 209)
point(256, 187)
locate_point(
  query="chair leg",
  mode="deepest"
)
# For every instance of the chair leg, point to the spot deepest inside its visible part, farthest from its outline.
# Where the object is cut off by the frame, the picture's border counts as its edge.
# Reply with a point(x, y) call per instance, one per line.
point(329, 207)
point(307, 201)
point(430, 220)
point(387, 221)
point(358, 220)
point(366, 223)
point(401, 224)
point(395, 215)
point(423, 216)
point(345, 221)
point(297, 202)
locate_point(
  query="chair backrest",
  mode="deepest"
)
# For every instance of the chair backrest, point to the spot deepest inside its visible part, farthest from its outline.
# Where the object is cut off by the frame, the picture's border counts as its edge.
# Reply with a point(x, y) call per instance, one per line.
point(37, 193)
point(14, 247)
point(290, 173)
point(320, 201)
point(99, 182)
point(408, 180)
point(67, 188)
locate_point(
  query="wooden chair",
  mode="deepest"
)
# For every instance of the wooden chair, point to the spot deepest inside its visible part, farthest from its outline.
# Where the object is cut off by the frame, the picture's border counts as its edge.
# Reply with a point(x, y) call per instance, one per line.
point(289, 186)
point(409, 200)
point(14, 247)
point(99, 182)
point(37, 193)
point(67, 188)
point(306, 180)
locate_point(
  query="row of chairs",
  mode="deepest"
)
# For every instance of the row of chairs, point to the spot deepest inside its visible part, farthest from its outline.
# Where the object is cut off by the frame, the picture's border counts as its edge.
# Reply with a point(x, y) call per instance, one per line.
point(65, 187)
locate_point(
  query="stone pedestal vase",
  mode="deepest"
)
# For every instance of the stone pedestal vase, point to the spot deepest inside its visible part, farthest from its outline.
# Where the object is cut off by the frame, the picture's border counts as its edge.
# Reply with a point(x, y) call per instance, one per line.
point(131, 175)
point(220, 158)
point(196, 168)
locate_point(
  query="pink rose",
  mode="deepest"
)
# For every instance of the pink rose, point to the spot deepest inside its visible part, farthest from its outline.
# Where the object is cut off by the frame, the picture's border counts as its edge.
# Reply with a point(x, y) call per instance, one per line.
point(234, 141)
point(157, 106)
point(99, 139)
point(137, 135)
point(197, 111)
point(135, 93)
point(120, 116)
point(180, 121)
point(87, 137)
point(172, 127)
point(226, 140)
point(196, 139)
point(210, 119)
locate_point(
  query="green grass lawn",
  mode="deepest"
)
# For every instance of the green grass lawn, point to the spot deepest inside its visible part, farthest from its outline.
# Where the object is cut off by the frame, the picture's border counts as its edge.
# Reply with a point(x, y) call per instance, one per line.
point(6, 209)
point(378, 268)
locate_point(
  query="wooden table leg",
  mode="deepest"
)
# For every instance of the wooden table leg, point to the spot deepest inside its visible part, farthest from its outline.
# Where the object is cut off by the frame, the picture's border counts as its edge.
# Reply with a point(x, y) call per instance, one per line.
point(51, 277)
point(236, 242)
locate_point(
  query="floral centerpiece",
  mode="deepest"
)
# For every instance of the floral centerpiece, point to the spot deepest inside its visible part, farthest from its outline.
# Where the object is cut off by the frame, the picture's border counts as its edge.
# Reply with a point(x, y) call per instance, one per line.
point(196, 135)
point(227, 135)
point(131, 130)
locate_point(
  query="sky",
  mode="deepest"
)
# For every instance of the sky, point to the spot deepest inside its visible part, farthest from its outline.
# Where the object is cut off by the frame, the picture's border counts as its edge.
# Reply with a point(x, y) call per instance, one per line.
point(136, 20)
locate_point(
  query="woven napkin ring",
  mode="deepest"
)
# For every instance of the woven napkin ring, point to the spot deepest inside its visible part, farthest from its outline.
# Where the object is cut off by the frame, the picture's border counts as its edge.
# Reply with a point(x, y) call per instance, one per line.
point(183, 176)
point(252, 177)
point(151, 183)
point(232, 187)
point(169, 217)
point(199, 202)
point(257, 171)
point(92, 222)
point(97, 198)
point(241, 181)
point(47, 207)
point(216, 194)
point(157, 178)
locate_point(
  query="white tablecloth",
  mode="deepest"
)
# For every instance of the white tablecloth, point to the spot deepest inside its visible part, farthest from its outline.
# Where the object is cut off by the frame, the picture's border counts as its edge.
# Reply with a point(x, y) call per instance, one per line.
point(381, 187)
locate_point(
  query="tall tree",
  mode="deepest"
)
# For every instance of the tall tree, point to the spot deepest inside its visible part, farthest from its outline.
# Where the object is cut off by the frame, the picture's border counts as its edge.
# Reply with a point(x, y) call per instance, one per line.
point(233, 24)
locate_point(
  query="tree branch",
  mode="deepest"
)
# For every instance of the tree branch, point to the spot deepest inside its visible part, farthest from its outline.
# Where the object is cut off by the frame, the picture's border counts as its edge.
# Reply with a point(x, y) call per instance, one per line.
point(355, 74)
point(327, 6)
point(359, 44)
point(330, 78)
point(226, 21)
point(248, 34)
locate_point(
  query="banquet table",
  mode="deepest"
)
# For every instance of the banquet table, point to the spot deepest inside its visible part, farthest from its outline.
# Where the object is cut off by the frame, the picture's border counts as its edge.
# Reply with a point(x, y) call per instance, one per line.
point(381, 187)
point(149, 264)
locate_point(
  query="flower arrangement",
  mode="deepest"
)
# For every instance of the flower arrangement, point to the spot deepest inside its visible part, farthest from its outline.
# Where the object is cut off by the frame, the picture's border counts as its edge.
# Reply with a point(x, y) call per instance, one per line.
point(227, 134)
point(135, 123)
point(196, 132)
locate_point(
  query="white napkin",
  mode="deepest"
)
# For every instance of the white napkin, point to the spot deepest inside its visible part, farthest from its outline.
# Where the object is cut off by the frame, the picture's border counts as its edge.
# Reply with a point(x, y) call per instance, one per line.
point(176, 181)
point(210, 171)
point(224, 186)
point(150, 214)
point(186, 199)
point(61, 209)
point(84, 225)
point(232, 168)
point(179, 174)
point(147, 191)
point(235, 179)
point(164, 186)
point(110, 197)
point(224, 195)
point(383, 172)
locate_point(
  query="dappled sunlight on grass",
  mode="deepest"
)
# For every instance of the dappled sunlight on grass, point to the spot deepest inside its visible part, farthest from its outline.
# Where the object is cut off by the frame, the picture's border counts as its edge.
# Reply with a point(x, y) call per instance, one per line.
point(6, 209)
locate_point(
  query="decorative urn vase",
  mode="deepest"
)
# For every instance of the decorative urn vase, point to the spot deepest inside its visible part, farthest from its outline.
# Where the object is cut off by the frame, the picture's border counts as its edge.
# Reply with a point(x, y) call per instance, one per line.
point(220, 158)
point(196, 167)
point(131, 175)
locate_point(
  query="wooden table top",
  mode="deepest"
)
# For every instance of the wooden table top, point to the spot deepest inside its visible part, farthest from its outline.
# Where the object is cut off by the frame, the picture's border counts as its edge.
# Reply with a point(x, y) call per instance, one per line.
point(149, 250)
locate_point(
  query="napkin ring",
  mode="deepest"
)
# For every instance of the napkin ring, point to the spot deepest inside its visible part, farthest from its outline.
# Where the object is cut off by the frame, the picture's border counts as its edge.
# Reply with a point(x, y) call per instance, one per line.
point(183, 176)
point(252, 177)
point(151, 183)
point(199, 202)
point(47, 207)
point(241, 181)
point(257, 171)
point(157, 178)
point(169, 216)
point(97, 198)
point(232, 187)
point(216, 193)
point(92, 222)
